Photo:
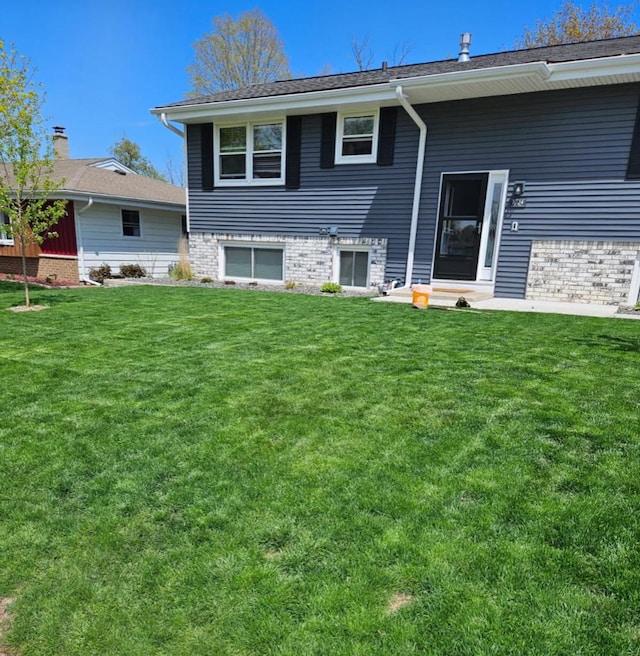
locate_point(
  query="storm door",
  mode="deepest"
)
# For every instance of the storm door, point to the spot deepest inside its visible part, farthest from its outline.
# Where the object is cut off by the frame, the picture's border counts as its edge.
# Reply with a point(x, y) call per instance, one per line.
point(462, 209)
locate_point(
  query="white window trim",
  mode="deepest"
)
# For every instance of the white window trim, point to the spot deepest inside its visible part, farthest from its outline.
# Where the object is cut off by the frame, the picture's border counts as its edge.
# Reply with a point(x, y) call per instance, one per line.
point(5, 240)
point(248, 181)
point(222, 260)
point(140, 216)
point(336, 263)
point(357, 159)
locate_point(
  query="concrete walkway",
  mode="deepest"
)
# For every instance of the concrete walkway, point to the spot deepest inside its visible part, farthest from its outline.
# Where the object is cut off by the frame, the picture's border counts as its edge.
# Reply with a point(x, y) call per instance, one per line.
point(523, 305)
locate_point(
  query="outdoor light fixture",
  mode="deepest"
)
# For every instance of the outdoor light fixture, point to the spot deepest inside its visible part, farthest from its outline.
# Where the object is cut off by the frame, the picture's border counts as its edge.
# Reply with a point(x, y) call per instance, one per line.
point(518, 189)
point(333, 231)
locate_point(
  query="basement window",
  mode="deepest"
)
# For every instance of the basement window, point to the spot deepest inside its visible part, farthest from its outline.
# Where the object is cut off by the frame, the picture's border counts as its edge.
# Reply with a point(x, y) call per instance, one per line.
point(131, 223)
point(254, 262)
point(354, 268)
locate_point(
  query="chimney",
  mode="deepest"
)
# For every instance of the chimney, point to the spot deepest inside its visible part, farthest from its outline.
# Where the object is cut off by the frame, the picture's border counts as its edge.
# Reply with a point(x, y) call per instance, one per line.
point(60, 143)
point(465, 42)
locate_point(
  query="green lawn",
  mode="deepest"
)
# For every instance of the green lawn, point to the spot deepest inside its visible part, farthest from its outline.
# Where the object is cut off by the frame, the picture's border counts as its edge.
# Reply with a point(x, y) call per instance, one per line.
point(193, 472)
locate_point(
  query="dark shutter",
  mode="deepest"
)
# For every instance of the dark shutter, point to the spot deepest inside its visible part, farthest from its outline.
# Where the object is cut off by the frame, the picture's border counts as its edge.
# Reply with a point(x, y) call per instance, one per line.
point(387, 135)
point(206, 155)
point(328, 141)
point(292, 163)
point(633, 168)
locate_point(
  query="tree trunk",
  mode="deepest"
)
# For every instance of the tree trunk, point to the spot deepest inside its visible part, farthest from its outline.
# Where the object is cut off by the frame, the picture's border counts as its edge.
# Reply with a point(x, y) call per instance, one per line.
point(23, 257)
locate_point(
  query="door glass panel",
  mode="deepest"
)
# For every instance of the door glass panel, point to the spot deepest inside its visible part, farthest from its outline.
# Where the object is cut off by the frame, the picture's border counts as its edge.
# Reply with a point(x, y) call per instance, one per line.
point(346, 267)
point(496, 199)
point(459, 237)
point(462, 198)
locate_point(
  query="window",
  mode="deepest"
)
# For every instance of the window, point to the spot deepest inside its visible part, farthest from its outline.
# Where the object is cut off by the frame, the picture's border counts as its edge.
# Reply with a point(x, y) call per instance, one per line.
point(357, 138)
point(131, 223)
point(250, 154)
point(354, 268)
point(262, 263)
point(5, 236)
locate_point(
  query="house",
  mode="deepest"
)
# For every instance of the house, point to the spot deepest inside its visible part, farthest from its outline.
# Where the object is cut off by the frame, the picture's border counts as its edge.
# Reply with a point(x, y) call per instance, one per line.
point(517, 173)
point(113, 216)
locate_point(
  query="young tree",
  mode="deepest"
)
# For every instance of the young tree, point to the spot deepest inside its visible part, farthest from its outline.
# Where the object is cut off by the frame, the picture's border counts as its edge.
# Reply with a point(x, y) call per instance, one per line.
point(571, 24)
point(26, 173)
point(128, 152)
point(238, 53)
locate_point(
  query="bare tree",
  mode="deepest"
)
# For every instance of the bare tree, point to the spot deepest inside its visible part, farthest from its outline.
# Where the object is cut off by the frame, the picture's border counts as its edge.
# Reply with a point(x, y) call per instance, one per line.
point(365, 56)
point(571, 24)
point(238, 53)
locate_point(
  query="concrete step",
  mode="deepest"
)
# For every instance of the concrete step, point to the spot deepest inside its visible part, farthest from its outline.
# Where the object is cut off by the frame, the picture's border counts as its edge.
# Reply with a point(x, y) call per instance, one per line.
point(443, 293)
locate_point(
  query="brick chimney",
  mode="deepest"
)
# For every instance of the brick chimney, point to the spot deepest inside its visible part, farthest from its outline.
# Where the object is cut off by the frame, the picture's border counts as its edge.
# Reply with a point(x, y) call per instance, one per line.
point(60, 143)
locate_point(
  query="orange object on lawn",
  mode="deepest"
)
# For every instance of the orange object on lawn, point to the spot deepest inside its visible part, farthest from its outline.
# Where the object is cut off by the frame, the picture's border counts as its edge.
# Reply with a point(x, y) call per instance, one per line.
point(421, 296)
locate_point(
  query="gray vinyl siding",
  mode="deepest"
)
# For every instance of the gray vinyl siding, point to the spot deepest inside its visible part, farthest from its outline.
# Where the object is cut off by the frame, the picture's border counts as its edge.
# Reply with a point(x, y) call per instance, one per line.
point(571, 147)
point(363, 200)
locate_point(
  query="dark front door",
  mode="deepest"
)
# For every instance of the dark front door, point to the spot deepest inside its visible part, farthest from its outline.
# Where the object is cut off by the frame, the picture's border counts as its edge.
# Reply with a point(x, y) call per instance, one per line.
point(460, 216)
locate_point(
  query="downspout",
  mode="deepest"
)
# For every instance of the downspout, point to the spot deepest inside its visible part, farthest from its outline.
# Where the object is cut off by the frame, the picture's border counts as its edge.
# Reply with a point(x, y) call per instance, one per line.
point(417, 190)
point(173, 128)
point(83, 274)
point(181, 134)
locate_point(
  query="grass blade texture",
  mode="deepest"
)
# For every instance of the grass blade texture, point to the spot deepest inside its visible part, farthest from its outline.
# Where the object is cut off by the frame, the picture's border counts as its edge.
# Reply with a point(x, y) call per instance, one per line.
point(193, 472)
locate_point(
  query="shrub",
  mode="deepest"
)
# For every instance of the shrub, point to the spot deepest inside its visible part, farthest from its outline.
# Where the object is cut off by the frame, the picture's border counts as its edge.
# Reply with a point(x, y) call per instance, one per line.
point(132, 271)
point(331, 288)
point(182, 269)
point(99, 274)
point(290, 284)
point(206, 279)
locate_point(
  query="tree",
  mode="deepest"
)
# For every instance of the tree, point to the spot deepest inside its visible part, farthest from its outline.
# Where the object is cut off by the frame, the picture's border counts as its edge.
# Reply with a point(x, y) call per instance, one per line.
point(26, 175)
point(238, 53)
point(571, 24)
point(365, 56)
point(128, 152)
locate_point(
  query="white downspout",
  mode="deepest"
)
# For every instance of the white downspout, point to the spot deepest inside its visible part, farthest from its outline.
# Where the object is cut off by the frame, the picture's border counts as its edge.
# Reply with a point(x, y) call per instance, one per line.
point(417, 190)
point(173, 128)
point(83, 274)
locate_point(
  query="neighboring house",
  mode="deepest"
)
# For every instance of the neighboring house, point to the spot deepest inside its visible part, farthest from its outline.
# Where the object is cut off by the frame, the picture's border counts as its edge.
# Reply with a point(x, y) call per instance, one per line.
point(114, 216)
point(517, 173)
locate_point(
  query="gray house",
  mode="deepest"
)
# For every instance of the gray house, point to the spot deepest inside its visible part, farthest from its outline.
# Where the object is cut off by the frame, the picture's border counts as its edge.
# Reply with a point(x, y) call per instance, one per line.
point(516, 173)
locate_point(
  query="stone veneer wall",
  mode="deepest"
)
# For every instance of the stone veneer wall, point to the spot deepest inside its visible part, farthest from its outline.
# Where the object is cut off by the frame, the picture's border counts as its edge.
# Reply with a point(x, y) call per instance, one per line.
point(307, 260)
point(582, 271)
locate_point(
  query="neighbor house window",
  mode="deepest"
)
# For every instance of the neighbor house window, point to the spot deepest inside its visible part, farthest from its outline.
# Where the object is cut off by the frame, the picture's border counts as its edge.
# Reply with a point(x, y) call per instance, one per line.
point(251, 153)
point(354, 268)
point(5, 236)
point(131, 223)
point(357, 138)
point(261, 263)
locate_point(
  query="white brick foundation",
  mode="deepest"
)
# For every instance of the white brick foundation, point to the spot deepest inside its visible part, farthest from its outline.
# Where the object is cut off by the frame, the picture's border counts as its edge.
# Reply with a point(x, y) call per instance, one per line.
point(307, 260)
point(601, 272)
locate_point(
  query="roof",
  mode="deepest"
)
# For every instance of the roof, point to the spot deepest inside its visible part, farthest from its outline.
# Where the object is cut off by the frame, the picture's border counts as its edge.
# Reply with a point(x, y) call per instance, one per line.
point(550, 54)
point(83, 177)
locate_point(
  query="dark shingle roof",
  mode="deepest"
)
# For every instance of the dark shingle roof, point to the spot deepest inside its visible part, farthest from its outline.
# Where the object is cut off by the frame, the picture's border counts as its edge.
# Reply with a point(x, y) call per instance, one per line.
point(548, 54)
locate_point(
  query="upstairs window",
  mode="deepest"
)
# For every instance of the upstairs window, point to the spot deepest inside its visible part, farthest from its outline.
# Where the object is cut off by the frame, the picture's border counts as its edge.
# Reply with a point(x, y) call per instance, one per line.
point(5, 235)
point(357, 138)
point(131, 223)
point(251, 153)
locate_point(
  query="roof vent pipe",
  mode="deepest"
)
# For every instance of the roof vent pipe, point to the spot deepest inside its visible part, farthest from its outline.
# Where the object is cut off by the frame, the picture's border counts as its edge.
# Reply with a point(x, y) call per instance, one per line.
point(384, 66)
point(465, 42)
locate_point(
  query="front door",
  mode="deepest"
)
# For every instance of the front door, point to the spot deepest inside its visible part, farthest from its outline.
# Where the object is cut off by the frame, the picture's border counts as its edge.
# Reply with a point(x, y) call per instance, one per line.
point(462, 209)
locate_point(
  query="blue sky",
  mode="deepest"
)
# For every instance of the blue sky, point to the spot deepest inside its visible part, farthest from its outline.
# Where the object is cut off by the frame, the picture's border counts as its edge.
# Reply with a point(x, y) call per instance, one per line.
point(103, 65)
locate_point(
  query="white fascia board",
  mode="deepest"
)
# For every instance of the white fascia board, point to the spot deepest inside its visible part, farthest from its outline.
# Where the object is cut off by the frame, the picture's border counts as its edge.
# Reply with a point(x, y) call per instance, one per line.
point(120, 200)
point(537, 69)
point(606, 66)
point(280, 105)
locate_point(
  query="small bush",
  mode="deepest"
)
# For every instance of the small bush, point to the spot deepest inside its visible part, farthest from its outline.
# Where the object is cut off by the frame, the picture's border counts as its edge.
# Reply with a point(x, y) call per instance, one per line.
point(229, 282)
point(331, 288)
point(132, 271)
point(99, 274)
point(206, 279)
point(290, 284)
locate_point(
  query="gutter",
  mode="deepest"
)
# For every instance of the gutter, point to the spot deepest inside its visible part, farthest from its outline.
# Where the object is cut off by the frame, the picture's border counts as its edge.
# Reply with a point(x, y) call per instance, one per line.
point(83, 277)
point(417, 189)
